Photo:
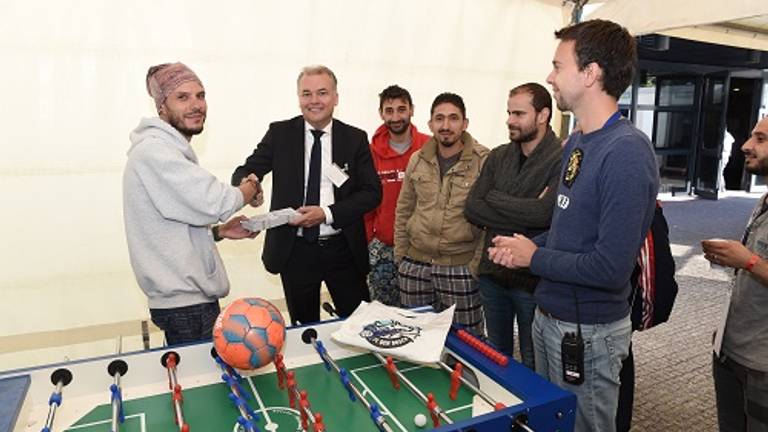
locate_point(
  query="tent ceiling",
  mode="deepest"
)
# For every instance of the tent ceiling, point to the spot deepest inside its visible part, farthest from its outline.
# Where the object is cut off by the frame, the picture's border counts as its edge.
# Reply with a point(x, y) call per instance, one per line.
point(740, 23)
point(755, 24)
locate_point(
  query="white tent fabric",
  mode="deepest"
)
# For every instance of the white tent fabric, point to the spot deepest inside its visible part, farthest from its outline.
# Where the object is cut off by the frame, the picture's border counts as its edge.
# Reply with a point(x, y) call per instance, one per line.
point(723, 36)
point(701, 20)
point(651, 16)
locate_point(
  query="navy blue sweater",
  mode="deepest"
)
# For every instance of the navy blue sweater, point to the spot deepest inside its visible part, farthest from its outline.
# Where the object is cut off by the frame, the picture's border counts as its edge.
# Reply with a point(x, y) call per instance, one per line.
point(604, 208)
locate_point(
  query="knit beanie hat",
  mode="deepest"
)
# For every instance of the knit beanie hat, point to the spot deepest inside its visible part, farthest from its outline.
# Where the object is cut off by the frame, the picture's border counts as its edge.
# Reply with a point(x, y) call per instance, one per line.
point(164, 78)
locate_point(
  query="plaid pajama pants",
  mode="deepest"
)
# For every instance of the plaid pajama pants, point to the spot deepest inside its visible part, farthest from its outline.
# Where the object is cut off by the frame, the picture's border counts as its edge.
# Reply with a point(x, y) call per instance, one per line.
point(440, 286)
point(382, 279)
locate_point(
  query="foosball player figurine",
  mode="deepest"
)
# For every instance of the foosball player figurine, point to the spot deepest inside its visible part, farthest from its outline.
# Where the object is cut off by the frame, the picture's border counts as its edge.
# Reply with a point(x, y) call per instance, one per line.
point(280, 369)
point(392, 374)
point(432, 407)
point(117, 369)
point(291, 384)
point(303, 408)
point(455, 383)
point(319, 426)
point(59, 378)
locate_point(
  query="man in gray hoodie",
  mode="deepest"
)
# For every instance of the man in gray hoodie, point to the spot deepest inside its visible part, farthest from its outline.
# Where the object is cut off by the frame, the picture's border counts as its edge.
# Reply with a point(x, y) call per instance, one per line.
point(171, 206)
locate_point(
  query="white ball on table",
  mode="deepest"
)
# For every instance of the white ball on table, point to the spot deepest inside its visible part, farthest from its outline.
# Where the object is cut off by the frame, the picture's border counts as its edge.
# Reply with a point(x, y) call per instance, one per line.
point(420, 420)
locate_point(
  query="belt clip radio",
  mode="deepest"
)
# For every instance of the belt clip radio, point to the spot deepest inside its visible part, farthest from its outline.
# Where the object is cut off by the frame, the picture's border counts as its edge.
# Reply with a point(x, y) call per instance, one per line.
point(572, 350)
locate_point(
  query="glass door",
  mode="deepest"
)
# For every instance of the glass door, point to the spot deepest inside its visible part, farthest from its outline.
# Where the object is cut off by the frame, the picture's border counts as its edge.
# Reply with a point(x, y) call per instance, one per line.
point(671, 116)
point(709, 143)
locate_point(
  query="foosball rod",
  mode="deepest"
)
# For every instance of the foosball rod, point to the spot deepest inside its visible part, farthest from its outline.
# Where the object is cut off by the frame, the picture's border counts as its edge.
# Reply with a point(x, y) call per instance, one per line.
point(59, 378)
point(228, 376)
point(117, 369)
point(415, 390)
point(310, 336)
point(170, 360)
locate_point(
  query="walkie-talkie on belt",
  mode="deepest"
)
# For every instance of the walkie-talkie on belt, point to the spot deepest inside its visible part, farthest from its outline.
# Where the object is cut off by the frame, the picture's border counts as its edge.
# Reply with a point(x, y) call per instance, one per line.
point(572, 350)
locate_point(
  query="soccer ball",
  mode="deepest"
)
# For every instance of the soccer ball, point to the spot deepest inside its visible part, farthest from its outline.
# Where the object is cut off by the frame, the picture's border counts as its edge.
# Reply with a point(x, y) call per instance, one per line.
point(248, 333)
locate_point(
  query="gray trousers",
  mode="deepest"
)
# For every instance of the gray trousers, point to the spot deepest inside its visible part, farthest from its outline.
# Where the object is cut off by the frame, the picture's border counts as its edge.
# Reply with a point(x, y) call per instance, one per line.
point(742, 396)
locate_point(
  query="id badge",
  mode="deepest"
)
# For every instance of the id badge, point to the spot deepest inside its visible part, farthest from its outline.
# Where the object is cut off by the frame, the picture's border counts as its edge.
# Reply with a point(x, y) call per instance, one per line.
point(337, 175)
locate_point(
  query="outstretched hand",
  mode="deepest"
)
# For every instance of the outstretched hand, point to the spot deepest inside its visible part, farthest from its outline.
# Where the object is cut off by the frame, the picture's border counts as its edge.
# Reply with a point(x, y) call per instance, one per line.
point(309, 216)
point(233, 229)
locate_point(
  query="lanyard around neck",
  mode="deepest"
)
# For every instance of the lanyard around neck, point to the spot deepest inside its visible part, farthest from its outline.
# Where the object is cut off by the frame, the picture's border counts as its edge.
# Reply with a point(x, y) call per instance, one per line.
point(612, 119)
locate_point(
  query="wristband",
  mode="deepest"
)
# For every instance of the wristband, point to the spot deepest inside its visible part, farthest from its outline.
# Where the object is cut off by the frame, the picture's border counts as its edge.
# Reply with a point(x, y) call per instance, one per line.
point(751, 263)
point(216, 236)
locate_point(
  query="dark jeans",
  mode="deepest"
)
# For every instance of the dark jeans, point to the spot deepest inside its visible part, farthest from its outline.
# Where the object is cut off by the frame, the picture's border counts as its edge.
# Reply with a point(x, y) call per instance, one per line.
point(188, 323)
point(502, 306)
point(742, 396)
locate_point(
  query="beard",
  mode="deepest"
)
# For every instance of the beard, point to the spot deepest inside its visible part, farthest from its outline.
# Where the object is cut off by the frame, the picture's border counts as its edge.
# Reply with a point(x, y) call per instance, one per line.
point(761, 169)
point(524, 135)
point(177, 121)
point(398, 127)
point(448, 141)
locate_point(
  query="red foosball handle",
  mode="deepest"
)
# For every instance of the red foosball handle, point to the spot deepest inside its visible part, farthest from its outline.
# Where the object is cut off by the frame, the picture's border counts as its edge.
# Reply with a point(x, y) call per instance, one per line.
point(483, 348)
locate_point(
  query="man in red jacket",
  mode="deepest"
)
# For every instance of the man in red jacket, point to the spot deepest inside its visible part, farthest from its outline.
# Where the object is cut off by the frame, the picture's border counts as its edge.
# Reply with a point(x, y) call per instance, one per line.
point(392, 145)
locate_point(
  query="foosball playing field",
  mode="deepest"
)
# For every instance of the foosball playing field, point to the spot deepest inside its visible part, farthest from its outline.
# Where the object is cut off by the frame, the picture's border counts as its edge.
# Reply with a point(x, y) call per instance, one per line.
point(208, 408)
point(198, 393)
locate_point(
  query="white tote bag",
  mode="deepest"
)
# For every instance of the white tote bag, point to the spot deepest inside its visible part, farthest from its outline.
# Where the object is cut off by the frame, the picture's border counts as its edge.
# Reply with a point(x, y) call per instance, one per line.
point(414, 336)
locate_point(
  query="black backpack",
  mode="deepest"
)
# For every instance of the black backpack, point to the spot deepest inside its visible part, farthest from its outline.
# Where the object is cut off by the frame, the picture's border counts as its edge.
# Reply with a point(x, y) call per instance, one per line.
point(654, 288)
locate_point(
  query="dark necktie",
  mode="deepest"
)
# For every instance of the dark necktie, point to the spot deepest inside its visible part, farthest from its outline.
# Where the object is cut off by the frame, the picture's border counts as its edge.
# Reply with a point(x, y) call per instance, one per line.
point(313, 184)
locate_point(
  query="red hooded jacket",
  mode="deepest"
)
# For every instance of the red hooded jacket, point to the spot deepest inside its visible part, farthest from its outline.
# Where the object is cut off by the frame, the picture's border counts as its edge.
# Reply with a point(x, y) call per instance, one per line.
point(390, 166)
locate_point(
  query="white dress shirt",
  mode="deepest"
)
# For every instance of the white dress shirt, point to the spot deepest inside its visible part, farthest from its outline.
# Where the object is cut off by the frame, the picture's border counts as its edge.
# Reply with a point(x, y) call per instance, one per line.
point(326, 185)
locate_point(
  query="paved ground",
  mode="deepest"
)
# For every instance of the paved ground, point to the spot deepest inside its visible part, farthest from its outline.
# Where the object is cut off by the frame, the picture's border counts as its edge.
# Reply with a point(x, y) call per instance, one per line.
point(674, 389)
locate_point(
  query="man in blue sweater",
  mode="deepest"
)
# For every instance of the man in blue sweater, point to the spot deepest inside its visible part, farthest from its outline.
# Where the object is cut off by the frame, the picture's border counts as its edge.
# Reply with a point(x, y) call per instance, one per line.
point(604, 207)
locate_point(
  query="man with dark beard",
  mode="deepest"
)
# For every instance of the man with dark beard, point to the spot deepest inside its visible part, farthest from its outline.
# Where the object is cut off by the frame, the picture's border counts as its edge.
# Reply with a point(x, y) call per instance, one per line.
point(515, 193)
point(171, 206)
point(434, 243)
point(392, 145)
point(740, 362)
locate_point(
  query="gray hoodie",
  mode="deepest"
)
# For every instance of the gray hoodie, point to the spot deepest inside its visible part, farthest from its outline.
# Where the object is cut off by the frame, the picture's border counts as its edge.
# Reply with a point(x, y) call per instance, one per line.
point(169, 203)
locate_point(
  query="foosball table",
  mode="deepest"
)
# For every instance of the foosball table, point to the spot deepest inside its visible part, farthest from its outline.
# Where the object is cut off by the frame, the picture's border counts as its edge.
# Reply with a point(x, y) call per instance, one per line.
point(314, 385)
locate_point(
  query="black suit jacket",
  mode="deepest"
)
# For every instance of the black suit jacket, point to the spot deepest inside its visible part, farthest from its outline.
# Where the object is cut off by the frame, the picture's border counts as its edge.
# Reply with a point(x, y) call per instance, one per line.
point(281, 152)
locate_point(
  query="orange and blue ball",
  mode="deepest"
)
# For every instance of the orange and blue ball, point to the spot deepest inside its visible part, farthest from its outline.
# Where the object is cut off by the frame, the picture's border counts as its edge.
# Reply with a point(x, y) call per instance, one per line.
point(249, 333)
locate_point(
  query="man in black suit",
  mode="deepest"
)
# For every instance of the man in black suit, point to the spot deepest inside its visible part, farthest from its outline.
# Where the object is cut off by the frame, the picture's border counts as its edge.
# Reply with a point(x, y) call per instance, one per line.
point(323, 168)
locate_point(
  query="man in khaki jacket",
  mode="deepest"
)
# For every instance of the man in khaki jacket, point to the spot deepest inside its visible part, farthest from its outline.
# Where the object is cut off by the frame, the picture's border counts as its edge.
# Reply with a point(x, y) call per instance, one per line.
point(434, 243)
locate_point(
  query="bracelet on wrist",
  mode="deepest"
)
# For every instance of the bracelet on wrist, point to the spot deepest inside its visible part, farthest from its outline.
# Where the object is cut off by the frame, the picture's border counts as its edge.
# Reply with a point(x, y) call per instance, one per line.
point(751, 263)
point(215, 231)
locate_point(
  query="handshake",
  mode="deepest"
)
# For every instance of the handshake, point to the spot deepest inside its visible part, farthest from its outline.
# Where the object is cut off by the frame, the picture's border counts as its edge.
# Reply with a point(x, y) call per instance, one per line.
point(251, 189)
